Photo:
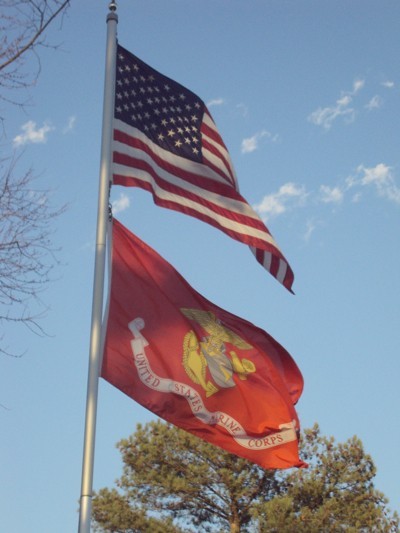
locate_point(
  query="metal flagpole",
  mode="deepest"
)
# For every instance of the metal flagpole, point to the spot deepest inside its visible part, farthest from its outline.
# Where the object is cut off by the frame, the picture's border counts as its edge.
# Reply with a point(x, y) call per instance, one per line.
point(99, 269)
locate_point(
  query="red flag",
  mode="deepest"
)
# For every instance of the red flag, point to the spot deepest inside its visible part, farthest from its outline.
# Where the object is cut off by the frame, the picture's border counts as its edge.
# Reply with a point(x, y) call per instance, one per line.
point(196, 365)
point(166, 142)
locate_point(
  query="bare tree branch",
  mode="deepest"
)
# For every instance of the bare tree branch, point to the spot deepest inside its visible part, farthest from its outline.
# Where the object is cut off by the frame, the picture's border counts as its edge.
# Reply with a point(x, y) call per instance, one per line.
point(23, 26)
point(27, 256)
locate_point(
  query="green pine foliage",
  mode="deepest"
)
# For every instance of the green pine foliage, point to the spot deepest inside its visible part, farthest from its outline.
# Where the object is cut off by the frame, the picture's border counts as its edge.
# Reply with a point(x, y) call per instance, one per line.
point(173, 482)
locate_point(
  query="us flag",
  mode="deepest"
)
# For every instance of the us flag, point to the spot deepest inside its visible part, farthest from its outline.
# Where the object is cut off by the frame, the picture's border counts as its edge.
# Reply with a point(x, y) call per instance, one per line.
point(166, 142)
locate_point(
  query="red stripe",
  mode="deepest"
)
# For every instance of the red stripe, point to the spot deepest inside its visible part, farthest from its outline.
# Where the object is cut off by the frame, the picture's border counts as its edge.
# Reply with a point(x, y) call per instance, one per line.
point(275, 263)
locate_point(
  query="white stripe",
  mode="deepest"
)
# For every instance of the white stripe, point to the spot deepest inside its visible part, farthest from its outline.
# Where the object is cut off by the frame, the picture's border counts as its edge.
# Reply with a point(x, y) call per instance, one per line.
point(280, 275)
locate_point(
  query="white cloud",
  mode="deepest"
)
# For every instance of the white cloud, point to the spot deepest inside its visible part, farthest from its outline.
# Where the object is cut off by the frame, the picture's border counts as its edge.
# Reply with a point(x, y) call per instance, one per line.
point(216, 101)
point(310, 227)
point(291, 196)
point(32, 134)
point(325, 116)
point(375, 103)
point(251, 143)
point(388, 84)
point(330, 195)
point(380, 177)
point(275, 204)
point(344, 101)
point(358, 85)
point(70, 124)
point(121, 204)
point(243, 109)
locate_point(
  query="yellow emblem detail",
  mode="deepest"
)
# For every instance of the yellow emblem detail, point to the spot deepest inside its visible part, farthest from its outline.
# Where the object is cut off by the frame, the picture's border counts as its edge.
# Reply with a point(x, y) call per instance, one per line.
point(211, 352)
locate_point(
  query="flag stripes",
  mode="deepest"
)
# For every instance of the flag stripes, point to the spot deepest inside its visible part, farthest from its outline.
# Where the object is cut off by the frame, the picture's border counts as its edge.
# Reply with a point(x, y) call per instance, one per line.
point(166, 142)
point(139, 162)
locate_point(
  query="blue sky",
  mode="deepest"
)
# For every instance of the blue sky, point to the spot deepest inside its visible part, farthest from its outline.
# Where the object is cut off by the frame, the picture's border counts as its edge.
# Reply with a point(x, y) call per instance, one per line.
point(306, 95)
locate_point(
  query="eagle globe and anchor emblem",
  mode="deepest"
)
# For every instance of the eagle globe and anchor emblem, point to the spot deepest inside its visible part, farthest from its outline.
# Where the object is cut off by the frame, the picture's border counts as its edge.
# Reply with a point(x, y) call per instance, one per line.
point(211, 353)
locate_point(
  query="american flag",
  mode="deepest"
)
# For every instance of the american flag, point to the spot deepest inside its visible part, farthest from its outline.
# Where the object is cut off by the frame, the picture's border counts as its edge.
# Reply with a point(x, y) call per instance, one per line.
point(166, 142)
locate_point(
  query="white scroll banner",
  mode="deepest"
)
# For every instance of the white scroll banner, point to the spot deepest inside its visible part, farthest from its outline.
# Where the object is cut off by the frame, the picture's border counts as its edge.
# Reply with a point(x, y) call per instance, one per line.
point(155, 382)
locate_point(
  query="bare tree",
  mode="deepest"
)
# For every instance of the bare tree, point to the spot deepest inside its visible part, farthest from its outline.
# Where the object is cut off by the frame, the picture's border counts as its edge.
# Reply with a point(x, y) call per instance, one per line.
point(27, 255)
point(26, 252)
point(23, 25)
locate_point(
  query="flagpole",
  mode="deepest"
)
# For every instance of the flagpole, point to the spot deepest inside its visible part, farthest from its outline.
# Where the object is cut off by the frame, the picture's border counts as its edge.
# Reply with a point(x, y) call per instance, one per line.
point(99, 278)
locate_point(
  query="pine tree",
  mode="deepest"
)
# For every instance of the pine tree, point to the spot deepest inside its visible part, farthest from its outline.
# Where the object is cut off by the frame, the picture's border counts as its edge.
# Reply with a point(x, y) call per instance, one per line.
point(177, 477)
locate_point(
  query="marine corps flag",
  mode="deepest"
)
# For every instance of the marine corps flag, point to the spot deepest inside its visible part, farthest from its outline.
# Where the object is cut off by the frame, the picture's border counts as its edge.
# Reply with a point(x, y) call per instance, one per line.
point(194, 364)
